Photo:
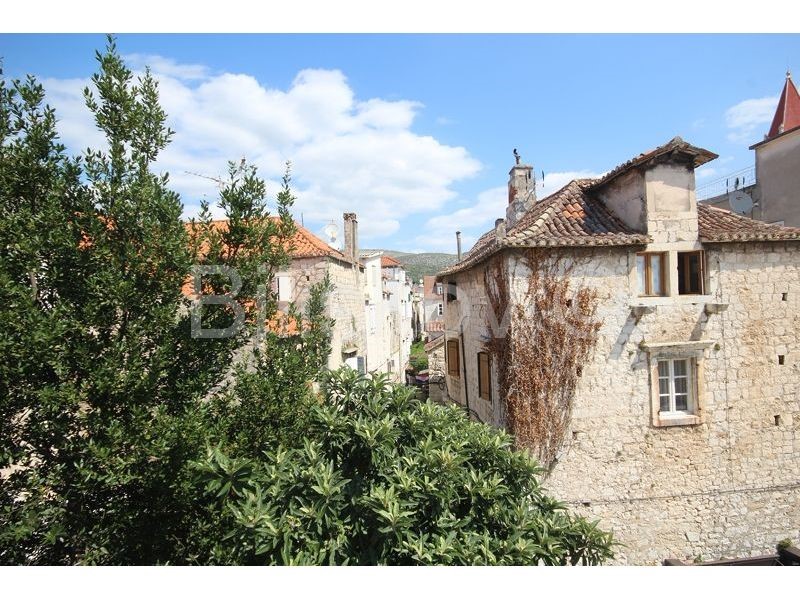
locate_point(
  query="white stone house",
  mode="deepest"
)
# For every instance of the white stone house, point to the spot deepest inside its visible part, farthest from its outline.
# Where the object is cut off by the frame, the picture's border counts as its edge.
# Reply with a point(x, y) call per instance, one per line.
point(433, 301)
point(684, 434)
point(401, 308)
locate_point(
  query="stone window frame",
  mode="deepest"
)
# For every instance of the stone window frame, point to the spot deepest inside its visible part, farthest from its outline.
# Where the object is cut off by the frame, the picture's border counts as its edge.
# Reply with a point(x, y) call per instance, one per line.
point(694, 352)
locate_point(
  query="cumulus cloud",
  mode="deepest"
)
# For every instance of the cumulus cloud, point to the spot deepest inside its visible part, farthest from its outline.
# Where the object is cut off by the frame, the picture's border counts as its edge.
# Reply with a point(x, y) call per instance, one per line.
point(476, 219)
point(348, 154)
point(746, 118)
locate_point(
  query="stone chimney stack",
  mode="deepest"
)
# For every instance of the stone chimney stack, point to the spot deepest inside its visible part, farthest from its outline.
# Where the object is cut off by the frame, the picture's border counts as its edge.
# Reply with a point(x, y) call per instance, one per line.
point(521, 191)
point(351, 236)
point(458, 244)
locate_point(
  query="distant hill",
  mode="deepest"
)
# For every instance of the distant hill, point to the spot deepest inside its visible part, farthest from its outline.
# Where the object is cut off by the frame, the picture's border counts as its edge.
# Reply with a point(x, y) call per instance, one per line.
point(424, 263)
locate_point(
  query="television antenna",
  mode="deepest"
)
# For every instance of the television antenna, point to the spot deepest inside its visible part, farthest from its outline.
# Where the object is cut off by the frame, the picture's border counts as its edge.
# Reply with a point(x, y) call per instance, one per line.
point(331, 231)
point(217, 180)
point(741, 202)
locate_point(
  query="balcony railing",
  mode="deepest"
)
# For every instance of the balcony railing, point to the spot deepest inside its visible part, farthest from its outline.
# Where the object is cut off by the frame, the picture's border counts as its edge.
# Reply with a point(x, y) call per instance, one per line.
point(733, 181)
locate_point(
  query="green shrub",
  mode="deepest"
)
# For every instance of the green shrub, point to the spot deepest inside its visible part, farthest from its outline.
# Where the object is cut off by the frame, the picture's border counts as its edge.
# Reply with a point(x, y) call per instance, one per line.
point(385, 479)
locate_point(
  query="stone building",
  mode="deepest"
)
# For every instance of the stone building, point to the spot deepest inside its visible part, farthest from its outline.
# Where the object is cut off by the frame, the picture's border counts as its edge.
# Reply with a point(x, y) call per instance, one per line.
point(683, 435)
point(432, 307)
point(774, 187)
point(401, 309)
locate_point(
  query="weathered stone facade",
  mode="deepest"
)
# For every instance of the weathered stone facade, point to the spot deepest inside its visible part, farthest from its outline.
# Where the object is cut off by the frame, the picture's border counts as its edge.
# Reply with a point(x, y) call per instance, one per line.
point(722, 481)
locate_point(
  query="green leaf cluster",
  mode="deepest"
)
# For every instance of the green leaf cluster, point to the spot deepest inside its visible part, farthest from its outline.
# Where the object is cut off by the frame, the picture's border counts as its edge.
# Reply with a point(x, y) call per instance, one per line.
point(382, 478)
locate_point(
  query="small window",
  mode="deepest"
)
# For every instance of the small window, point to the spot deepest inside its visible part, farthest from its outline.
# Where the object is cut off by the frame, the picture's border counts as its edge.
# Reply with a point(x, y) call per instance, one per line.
point(675, 386)
point(439, 289)
point(690, 272)
point(440, 309)
point(484, 376)
point(650, 270)
point(453, 364)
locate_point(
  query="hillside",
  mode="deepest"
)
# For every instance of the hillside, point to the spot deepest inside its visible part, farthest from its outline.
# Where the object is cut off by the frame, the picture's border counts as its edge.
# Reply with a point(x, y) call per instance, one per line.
point(424, 263)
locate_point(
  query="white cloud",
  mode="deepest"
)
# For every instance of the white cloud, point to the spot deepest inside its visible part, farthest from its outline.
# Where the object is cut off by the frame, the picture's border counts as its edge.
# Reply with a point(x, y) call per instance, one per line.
point(475, 220)
point(348, 154)
point(744, 119)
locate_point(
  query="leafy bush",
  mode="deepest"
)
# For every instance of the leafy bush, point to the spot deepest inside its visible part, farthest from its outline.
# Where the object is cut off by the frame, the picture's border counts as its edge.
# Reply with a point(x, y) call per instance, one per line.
point(385, 479)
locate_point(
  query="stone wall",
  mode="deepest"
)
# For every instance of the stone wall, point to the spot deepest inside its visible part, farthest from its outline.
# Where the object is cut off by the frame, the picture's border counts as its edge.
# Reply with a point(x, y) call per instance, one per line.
point(727, 486)
point(345, 305)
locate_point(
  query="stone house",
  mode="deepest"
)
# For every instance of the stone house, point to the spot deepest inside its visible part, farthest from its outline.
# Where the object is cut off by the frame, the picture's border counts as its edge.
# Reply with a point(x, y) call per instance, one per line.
point(432, 306)
point(682, 432)
point(312, 259)
point(774, 186)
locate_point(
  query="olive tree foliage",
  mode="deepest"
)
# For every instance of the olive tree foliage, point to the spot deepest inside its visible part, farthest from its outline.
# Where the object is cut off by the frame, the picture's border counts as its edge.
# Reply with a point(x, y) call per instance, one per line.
point(385, 479)
point(101, 382)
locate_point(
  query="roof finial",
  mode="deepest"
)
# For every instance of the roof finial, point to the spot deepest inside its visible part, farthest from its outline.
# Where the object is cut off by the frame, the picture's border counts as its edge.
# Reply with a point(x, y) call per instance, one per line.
point(516, 155)
point(788, 74)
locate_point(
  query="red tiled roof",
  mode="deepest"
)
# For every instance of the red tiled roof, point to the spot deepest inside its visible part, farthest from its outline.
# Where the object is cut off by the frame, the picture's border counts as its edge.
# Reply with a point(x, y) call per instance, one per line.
point(787, 115)
point(304, 243)
point(389, 261)
point(676, 146)
point(572, 216)
point(434, 326)
point(719, 225)
point(433, 344)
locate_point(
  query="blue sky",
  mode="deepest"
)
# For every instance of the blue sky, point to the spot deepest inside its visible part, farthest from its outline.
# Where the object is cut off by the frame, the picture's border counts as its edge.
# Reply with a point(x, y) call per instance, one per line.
point(415, 132)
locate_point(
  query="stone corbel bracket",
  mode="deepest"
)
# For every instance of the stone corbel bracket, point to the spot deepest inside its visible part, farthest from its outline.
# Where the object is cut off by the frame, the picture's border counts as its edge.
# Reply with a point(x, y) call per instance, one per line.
point(714, 308)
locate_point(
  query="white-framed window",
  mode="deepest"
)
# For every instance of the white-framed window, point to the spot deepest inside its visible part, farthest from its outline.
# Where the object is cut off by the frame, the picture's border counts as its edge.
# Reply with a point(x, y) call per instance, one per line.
point(439, 289)
point(440, 309)
point(676, 383)
point(676, 377)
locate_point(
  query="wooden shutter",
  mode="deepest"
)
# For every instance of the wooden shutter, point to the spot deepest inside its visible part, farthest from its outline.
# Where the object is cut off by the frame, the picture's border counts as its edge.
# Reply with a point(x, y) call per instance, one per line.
point(484, 376)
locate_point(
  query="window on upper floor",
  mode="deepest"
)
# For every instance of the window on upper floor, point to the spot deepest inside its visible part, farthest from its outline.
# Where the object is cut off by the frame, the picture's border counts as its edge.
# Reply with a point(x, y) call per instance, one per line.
point(453, 363)
point(691, 272)
point(651, 273)
point(439, 289)
point(484, 376)
point(440, 309)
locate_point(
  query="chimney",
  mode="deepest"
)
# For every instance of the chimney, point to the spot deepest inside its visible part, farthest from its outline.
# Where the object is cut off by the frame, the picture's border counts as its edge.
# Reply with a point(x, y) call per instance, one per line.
point(500, 229)
point(351, 236)
point(458, 244)
point(521, 190)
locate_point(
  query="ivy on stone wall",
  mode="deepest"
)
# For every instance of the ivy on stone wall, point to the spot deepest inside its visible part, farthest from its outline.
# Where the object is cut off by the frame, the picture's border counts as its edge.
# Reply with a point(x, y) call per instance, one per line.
point(540, 354)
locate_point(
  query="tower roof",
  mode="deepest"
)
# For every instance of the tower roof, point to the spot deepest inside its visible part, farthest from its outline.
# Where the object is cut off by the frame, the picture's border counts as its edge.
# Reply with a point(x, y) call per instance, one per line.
point(787, 115)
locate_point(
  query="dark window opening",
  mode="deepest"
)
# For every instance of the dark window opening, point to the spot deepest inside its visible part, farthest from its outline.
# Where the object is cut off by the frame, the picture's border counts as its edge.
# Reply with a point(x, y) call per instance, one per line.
point(484, 376)
point(781, 359)
point(690, 272)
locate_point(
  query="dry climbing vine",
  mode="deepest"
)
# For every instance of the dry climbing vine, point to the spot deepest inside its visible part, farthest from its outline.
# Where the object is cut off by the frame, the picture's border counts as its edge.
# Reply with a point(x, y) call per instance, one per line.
point(541, 351)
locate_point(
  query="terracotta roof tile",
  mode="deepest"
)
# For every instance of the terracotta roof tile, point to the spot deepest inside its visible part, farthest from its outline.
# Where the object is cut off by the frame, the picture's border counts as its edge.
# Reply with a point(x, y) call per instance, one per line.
point(389, 261)
point(434, 326)
point(787, 115)
point(304, 243)
point(433, 344)
point(699, 156)
point(569, 217)
point(719, 225)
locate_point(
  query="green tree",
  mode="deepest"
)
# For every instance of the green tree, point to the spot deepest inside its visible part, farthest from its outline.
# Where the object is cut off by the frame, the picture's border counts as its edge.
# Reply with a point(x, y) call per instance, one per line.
point(102, 383)
point(385, 479)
